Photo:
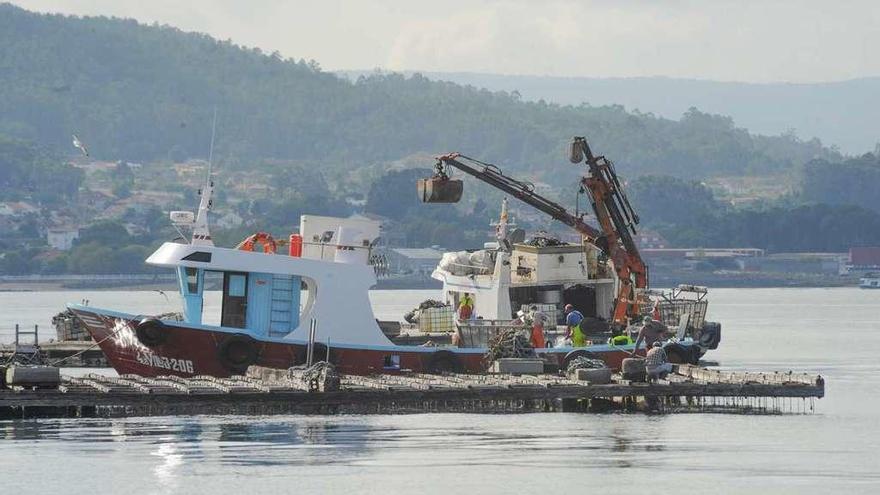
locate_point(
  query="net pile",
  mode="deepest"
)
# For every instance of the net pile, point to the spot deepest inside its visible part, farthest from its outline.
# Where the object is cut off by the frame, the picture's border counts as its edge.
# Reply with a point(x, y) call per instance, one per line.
point(321, 376)
point(509, 343)
point(583, 362)
point(543, 239)
point(413, 316)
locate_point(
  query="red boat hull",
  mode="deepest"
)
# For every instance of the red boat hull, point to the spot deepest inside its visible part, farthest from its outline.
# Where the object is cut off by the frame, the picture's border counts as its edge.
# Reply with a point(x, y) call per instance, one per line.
point(189, 351)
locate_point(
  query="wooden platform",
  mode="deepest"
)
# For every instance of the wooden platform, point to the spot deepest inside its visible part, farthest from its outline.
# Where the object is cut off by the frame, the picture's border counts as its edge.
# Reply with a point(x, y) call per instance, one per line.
point(68, 353)
point(280, 392)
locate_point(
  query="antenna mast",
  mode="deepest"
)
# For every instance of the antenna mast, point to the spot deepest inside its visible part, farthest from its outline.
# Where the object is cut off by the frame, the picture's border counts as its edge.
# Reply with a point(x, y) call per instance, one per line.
point(201, 232)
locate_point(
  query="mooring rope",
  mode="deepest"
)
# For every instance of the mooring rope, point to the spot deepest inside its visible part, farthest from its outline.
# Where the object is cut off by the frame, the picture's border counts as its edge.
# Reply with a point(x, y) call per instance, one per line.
point(122, 327)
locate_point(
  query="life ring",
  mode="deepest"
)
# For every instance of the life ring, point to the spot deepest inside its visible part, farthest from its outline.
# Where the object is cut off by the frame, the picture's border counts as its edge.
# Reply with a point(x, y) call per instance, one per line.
point(442, 362)
point(151, 332)
point(268, 242)
point(237, 352)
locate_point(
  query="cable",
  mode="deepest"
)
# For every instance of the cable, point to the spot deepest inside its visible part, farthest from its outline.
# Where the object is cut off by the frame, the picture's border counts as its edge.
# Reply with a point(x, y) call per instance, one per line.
point(121, 327)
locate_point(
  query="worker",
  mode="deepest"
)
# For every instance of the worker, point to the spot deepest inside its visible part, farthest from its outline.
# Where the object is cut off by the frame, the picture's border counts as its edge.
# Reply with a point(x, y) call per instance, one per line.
point(539, 319)
point(466, 307)
point(573, 320)
point(651, 331)
point(655, 311)
point(619, 337)
point(457, 341)
point(656, 362)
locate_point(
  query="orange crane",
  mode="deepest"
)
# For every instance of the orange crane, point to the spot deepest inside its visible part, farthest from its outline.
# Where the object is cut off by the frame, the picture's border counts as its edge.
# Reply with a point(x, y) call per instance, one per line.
point(617, 220)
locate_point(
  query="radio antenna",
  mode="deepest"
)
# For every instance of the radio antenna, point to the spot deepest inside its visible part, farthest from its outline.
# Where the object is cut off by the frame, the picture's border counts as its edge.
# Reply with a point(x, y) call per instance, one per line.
point(201, 231)
point(211, 150)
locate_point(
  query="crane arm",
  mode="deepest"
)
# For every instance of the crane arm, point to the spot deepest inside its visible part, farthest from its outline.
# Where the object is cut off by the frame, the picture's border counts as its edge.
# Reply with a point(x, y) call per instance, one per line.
point(616, 216)
point(524, 191)
point(618, 220)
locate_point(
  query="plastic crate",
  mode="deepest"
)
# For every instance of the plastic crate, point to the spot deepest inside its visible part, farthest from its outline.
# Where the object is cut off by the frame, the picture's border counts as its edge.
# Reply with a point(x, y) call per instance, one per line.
point(437, 319)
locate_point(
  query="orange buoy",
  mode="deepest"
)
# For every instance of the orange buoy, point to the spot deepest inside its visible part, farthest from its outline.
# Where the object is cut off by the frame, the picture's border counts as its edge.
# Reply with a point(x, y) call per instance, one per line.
point(267, 241)
point(296, 245)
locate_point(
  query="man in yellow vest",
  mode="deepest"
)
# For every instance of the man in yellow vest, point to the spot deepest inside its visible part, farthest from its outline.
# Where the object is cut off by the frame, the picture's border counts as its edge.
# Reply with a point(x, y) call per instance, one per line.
point(466, 307)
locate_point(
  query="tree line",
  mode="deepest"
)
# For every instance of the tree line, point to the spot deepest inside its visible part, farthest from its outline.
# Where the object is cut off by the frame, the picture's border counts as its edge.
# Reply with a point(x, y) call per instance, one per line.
point(143, 93)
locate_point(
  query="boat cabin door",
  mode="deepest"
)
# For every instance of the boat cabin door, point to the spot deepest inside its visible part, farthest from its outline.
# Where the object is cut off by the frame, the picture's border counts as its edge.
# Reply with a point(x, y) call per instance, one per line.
point(234, 313)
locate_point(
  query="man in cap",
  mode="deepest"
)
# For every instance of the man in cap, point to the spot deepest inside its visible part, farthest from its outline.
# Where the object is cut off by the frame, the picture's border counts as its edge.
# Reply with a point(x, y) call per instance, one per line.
point(573, 319)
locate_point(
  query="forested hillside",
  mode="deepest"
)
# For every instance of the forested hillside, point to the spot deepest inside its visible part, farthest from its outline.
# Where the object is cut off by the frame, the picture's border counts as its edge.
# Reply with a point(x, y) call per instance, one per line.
point(292, 139)
point(841, 113)
point(30, 171)
point(686, 213)
point(142, 93)
point(855, 181)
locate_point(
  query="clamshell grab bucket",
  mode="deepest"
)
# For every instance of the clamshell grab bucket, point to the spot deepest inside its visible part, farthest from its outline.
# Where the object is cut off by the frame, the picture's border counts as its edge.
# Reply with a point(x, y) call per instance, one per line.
point(440, 190)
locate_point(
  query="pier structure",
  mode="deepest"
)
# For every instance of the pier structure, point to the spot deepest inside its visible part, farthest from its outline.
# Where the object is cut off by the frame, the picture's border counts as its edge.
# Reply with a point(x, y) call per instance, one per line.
point(266, 391)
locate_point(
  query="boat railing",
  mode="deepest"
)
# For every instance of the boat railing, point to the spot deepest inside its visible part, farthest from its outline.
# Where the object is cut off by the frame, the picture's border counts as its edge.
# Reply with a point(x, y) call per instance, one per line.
point(671, 311)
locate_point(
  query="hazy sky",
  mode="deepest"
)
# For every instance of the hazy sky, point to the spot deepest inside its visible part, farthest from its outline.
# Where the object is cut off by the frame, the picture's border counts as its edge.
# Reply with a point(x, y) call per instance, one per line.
point(759, 41)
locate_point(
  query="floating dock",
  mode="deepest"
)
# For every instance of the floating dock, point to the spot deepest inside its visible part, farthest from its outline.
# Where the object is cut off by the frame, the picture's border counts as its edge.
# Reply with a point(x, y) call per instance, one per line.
point(76, 354)
point(266, 391)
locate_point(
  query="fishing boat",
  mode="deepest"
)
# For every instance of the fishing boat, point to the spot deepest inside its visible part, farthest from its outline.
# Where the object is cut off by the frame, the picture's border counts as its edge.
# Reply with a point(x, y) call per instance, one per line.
point(283, 307)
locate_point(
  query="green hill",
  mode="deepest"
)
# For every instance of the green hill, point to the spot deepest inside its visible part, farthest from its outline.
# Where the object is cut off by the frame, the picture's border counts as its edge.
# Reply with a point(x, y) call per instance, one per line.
point(142, 93)
point(841, 113)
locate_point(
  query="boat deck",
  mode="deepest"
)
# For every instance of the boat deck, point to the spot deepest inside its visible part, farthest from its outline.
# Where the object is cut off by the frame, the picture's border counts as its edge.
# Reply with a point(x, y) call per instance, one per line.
point(267, 391)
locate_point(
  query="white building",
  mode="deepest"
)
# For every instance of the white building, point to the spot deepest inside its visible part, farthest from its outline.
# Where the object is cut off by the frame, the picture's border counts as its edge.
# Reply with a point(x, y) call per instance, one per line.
point(62, 238)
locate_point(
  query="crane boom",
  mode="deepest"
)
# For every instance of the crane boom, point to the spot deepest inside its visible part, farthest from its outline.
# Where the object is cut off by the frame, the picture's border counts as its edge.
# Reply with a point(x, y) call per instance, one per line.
point(523, 191)
point(610, 205)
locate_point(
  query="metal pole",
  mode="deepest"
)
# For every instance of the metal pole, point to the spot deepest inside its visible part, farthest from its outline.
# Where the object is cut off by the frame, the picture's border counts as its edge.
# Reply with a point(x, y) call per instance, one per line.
point(310, 352)
point(36, 333)
point(16, 335)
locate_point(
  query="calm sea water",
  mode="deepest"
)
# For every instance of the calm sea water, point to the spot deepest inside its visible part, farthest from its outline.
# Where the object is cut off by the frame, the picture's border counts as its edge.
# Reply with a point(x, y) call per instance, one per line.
point(833, 332)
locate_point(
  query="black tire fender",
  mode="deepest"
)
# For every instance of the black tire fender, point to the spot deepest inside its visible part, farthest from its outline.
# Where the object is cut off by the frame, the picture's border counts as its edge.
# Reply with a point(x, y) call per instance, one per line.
point(678, 354)
point(442, 362)
point(151, 332)
point(237, 352)
point(710, 335)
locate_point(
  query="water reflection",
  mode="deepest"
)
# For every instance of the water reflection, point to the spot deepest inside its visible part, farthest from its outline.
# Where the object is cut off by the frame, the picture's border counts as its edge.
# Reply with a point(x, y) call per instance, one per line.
point(231, 441)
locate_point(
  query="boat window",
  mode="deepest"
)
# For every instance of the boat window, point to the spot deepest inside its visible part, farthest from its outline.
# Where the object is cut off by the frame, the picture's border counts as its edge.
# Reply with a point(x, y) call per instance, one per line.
point(237, 284)
point(192, 280)
point(199, 256)
point(212, 293)
point(234, 310)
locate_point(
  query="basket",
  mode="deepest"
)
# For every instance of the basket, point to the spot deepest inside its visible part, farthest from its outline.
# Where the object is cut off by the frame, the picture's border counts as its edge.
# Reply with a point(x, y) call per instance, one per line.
point(672, 310)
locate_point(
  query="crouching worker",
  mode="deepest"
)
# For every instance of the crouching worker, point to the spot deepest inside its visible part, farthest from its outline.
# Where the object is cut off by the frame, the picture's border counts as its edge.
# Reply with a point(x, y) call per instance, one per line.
point(619, 337)
point(656, 363)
